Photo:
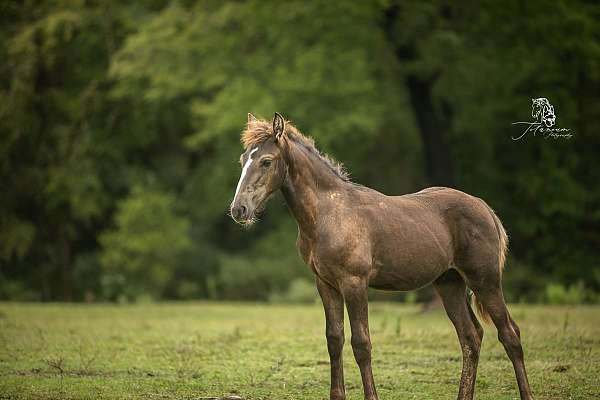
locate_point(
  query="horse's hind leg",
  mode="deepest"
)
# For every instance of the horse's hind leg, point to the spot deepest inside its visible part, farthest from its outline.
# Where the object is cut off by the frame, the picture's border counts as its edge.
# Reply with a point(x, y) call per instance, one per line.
point(492, 299)
point(452, 289)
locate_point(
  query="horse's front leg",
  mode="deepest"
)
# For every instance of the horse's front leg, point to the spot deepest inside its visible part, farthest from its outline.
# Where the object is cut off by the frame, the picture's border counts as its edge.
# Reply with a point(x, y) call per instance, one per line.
point(333, 302)
point(354, 290)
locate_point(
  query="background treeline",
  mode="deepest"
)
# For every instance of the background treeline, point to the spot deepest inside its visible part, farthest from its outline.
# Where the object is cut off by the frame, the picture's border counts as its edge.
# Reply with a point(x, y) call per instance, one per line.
point(120, 123)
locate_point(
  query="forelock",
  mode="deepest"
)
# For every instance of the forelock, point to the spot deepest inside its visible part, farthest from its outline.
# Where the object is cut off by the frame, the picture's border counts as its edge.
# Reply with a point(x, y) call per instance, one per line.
point(259, 131)
point(256, 132)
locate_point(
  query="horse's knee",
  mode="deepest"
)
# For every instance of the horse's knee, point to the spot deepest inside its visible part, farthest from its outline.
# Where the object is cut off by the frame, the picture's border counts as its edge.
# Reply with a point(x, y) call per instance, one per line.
point(361, 346)
point(335, 343)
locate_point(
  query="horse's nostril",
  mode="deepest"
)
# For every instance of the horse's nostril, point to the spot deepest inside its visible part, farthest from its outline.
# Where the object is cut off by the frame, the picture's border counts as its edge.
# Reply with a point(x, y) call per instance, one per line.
point(236, 213)
point(243, 211)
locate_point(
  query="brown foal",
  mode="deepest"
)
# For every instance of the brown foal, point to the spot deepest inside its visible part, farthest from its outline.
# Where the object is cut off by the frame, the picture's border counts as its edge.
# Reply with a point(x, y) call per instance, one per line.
point(353, 237)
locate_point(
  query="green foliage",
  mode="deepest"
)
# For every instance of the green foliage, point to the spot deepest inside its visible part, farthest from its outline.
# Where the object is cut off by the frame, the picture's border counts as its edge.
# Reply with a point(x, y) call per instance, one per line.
point(146, 242)
point(300, 291)
point(98, 98)
point(559, 294)
point(410, 298)
point(114, 288)
point(16, 236)
point(16, 291)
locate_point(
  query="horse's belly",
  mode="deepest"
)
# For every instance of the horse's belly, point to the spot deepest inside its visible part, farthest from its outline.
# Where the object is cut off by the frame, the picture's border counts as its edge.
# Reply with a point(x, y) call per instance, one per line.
point(405, 279)
point(409, 268)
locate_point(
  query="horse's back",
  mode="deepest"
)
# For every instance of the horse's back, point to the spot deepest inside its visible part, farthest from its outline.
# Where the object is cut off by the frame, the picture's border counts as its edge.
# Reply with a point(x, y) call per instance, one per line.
point(420, 235)
point(465, 215)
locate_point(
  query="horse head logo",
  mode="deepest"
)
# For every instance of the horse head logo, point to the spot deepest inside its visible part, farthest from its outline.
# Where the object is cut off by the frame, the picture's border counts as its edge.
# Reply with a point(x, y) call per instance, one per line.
point(543, 111)
point(543, 122)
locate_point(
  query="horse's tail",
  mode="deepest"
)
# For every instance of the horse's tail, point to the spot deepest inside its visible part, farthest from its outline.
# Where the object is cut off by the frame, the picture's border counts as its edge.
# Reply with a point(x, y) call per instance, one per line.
point(502, 250)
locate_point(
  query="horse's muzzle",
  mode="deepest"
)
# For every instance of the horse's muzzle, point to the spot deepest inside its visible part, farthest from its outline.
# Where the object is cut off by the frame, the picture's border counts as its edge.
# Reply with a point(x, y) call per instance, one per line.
point(239, 213)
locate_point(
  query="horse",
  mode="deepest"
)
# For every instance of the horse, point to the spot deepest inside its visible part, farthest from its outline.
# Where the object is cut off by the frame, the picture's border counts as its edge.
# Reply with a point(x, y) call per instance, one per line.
point(543, 111)
point(354, 237)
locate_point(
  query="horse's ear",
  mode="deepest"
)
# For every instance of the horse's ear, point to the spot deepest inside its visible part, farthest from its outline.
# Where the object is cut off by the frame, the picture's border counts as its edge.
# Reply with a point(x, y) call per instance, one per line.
point(278, 126)
point(251, 118)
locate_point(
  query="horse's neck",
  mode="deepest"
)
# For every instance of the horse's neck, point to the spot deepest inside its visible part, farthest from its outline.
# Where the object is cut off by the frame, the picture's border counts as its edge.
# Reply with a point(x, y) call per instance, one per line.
point(308, 185)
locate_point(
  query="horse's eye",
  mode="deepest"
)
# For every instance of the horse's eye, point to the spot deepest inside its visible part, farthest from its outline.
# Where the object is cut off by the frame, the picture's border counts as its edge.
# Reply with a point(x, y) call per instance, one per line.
point(266, 163)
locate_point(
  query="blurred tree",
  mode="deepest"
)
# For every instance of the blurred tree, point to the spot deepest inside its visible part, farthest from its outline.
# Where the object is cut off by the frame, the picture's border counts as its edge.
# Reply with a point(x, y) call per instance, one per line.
point(99, 98)
point(146, 242)
point(425, 40)
point(46, 152)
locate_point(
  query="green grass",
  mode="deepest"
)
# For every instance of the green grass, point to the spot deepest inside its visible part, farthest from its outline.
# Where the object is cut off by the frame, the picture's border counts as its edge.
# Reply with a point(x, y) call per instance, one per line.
point(196, 350)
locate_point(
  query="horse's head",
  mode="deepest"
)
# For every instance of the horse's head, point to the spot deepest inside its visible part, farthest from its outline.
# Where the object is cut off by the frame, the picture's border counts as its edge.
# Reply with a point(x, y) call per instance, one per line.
point(543, 111)
point(263, 168)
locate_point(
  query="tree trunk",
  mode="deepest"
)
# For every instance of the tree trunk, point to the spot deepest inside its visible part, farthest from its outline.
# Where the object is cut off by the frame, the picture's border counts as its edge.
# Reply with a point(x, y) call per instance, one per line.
point(433, 123)
point(433, 128)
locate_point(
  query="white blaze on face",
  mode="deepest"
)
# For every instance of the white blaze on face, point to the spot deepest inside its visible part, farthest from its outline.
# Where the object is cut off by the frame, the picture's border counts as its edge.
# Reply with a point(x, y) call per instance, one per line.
point(244, 171)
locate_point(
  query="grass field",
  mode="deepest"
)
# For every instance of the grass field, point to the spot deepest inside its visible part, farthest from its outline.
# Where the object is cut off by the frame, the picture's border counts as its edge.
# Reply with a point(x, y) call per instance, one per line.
point(201, 350)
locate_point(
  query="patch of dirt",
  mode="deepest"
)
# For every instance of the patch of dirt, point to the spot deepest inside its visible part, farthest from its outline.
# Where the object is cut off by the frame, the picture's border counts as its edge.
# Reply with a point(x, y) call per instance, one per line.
point(561, 368)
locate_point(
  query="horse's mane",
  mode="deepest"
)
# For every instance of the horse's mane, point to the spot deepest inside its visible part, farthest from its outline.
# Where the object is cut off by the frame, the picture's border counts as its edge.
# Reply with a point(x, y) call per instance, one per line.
point(259, 131)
